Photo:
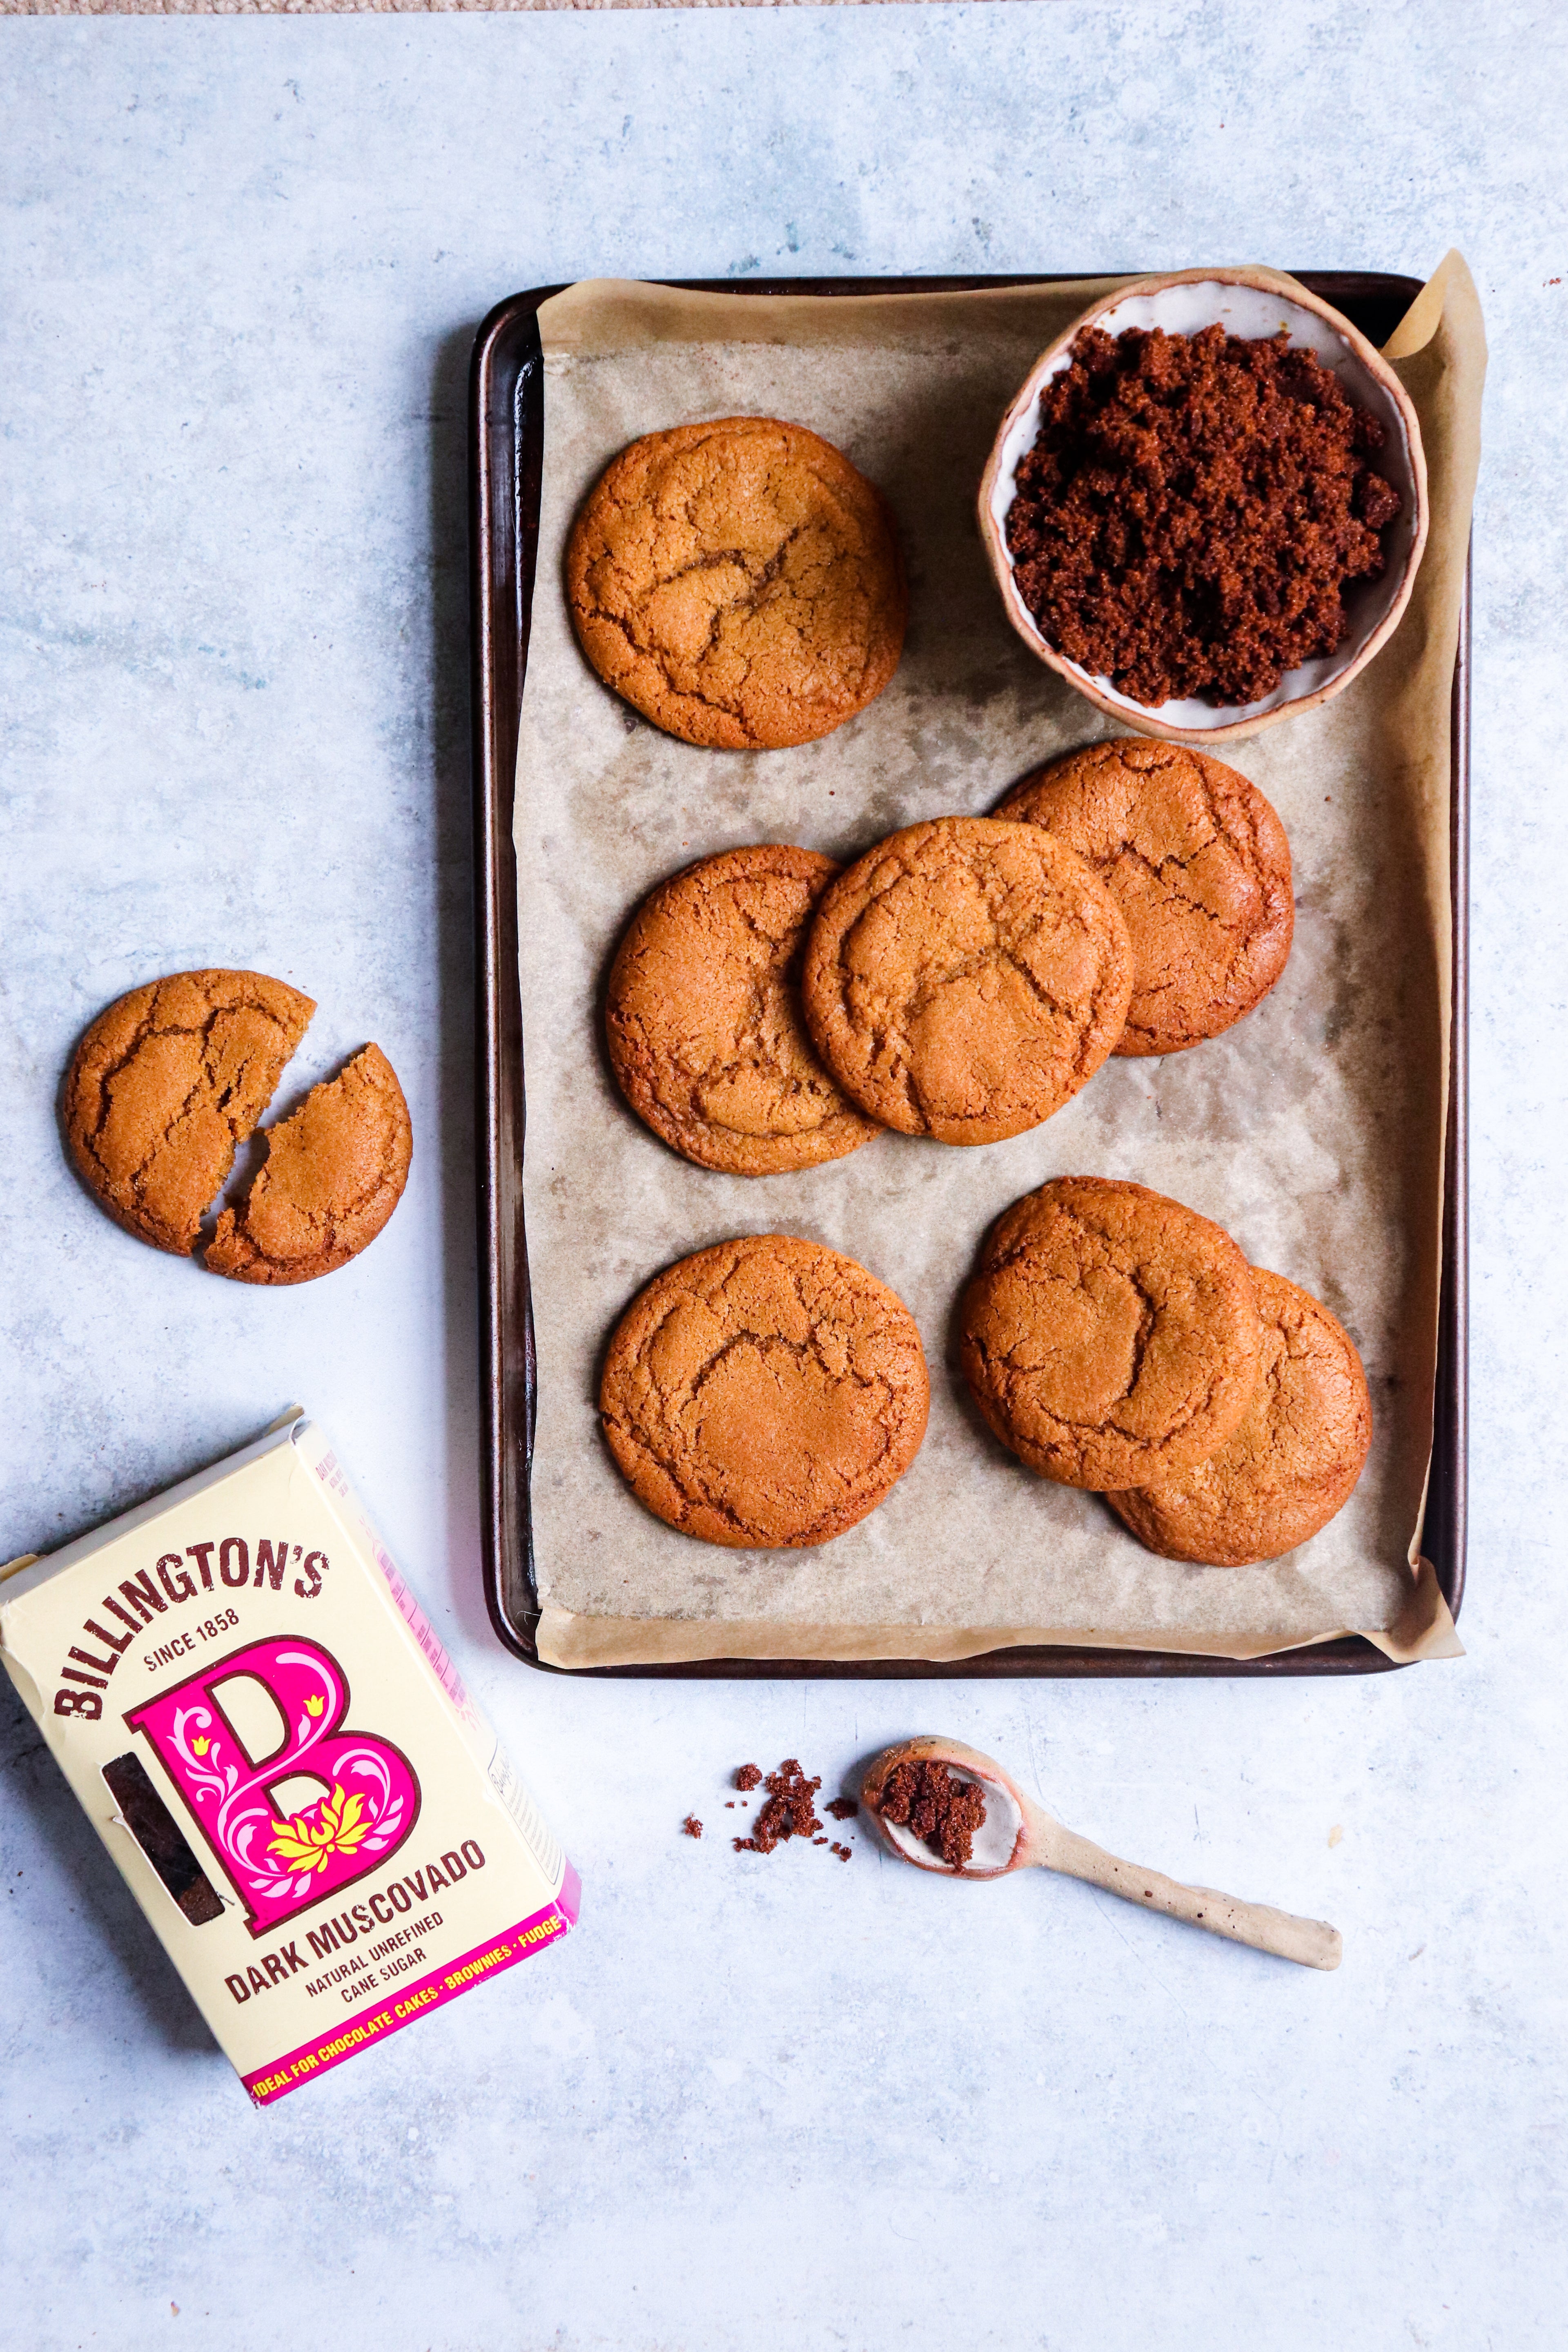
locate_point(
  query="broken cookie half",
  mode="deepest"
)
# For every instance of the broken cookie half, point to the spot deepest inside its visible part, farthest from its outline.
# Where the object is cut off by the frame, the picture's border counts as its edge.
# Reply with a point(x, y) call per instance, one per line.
point(334, 1174)
point(172, 1078)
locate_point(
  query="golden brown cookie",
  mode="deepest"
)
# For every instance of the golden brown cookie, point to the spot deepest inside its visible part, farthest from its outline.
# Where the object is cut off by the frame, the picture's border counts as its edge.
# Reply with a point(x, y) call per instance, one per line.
point(1111, 1336)
point(164, 1085)
point(704, 1019)
point(764, 1393)
point(1292, 1463)
point(739, 583)
point(965, 978)
point(334, 1174)
point(1198, 863)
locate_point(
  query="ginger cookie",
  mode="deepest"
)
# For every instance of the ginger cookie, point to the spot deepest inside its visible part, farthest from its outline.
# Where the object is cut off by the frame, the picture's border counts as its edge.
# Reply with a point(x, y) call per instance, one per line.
point(703, 1017)
point(1292, 1461)
point(164, 1085)
point(765, 1392)
point(965, 978)
point(1198, 863)
point(334, 1174)
point(1111, 1336)
point(739, 583)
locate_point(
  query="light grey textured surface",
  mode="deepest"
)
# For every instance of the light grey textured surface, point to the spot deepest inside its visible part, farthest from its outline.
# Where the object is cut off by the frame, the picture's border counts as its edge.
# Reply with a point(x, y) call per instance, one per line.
point(773, 2103)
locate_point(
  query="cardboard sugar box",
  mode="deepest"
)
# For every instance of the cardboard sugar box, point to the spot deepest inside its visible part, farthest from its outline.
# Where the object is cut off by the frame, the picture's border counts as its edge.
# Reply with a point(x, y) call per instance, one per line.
point(280, 1757)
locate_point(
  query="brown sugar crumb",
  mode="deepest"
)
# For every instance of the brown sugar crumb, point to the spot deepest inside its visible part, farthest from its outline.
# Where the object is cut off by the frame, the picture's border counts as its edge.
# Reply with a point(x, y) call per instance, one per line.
point(691, 1825)
point(1192, 511)
point(942, 1810)
point(789, 1811)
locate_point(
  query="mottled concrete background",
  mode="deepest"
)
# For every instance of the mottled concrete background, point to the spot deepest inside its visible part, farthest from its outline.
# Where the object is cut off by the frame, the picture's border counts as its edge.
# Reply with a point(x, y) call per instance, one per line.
point(373, 7)
point(780, 2104)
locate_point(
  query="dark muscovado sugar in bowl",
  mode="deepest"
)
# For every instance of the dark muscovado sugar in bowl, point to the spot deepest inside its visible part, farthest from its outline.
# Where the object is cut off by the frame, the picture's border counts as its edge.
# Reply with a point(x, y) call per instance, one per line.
point(1192, 511)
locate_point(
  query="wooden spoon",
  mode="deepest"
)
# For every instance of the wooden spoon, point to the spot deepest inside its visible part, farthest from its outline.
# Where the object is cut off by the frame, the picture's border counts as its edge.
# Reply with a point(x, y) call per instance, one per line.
point(1019, 1835)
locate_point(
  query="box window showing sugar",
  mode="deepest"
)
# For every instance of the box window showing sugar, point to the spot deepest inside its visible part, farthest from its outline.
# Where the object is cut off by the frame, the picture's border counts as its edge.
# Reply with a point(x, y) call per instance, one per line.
point(280, 1756)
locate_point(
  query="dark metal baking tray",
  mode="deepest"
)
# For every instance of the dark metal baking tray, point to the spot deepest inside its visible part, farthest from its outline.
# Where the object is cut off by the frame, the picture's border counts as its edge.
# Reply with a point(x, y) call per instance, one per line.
point(506, 452)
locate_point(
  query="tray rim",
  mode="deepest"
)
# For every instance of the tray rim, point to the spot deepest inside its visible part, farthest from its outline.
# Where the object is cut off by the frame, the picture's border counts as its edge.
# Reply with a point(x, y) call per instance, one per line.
point(504, 482)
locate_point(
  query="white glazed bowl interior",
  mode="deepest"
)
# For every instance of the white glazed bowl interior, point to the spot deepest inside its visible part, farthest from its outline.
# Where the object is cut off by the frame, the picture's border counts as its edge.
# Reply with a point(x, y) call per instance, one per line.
point(1251, 311)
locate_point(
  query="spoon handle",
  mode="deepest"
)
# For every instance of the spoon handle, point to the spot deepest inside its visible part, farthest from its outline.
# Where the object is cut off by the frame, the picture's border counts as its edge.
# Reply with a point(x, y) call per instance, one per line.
point(1312, 1942)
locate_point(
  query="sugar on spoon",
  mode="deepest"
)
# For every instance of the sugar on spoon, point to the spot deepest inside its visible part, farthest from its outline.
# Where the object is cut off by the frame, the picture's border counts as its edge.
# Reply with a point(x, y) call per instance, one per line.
point(1019, 1835)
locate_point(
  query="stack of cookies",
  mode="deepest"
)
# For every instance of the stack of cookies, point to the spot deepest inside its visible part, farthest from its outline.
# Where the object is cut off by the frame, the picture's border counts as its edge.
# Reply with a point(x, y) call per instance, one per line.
point(1116, 1340)
point(766, 1012)
point(964, 978)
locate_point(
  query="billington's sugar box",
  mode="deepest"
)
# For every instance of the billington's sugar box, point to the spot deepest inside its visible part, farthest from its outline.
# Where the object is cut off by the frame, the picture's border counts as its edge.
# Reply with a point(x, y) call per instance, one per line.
point(282, 1760)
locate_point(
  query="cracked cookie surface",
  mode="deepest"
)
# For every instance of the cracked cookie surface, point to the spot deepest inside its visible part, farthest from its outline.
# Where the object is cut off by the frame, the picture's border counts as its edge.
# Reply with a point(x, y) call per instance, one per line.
point(1198, 863)
point(765, 1392)
point(334, 1174)
point(1292, 1463)
point(965, 978)
point(166, 1083)
point(738, 582)
point(703, 1020)
point(1110, 1336)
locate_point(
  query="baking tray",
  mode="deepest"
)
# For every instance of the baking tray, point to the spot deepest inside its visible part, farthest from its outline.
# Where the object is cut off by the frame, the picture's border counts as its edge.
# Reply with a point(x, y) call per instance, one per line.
point(506, 451)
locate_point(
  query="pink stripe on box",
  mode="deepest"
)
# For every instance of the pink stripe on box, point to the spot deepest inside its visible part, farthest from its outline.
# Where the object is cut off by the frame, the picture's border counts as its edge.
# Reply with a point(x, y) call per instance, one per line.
point(412, 2001)
point(442, 1665)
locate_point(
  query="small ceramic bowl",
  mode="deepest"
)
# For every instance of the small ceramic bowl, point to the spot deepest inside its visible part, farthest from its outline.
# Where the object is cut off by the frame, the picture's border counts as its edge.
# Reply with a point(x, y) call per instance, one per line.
point(1251, 303)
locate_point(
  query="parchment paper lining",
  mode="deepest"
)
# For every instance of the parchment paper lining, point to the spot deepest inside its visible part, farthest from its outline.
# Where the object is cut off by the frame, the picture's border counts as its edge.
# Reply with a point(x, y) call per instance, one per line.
point(1313, 1129)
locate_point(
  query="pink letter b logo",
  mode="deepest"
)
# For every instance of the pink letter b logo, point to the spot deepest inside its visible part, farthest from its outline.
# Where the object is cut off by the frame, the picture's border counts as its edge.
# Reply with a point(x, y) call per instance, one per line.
point(282, 1866)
